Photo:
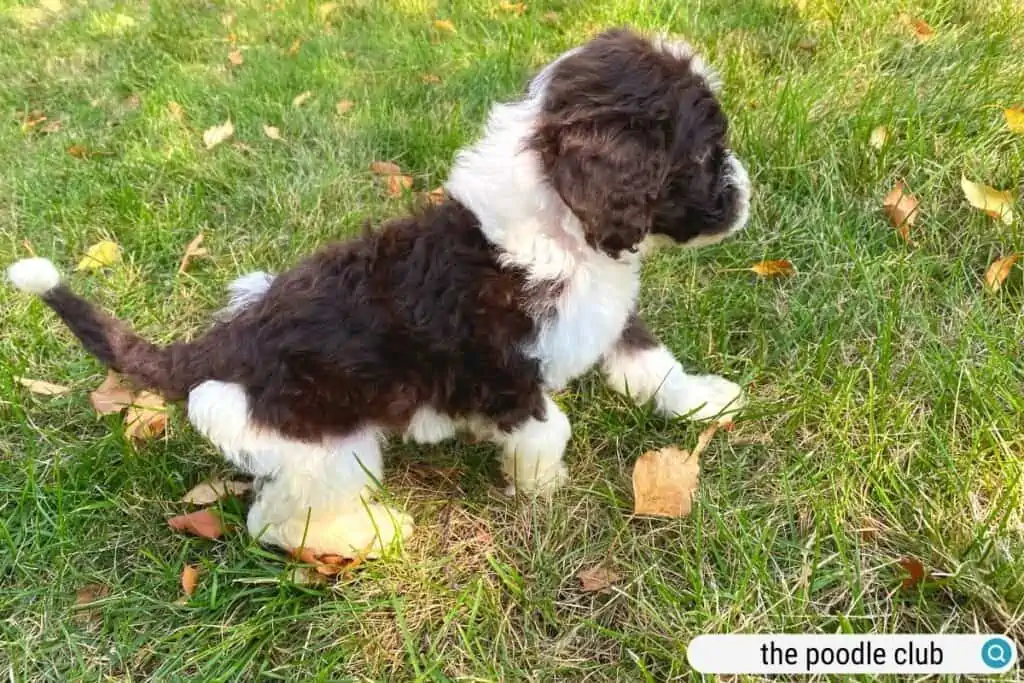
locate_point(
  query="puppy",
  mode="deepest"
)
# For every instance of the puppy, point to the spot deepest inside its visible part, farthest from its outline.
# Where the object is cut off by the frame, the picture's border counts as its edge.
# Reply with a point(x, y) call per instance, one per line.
point(466, 315)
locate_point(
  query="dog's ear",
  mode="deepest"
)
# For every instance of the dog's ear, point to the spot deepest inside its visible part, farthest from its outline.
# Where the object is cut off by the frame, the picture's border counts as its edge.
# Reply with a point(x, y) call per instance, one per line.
point(609, 176)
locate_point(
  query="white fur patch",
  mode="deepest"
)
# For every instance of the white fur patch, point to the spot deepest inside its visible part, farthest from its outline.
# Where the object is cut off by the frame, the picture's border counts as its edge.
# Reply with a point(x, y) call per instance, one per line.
point(738, 176)
point(428, 426)
point(655, 373)
point(245, 291)
point(34, 275)
point(532, 458)
point(682, 50)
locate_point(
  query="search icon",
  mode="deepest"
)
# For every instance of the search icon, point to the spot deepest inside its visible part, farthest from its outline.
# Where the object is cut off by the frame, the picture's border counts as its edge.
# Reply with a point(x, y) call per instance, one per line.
point(996, 653)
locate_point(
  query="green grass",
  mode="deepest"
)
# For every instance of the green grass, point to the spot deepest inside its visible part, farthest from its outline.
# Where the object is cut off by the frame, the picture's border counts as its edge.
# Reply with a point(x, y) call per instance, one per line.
point(887, 384)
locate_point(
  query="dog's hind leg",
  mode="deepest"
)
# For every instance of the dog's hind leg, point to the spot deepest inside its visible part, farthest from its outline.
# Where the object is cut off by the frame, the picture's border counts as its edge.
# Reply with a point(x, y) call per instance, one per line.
point(313, 495)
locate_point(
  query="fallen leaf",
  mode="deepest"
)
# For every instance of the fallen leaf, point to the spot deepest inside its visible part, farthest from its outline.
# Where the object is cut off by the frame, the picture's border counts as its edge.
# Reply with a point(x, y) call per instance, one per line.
point(294, 49)
point(922, 31)
point(999, 271)
point(551, 17)
point(189, 579)
point(808, 44)
point(664, 481)
point(218, 134)
point(235, 58)
point(430, 78)
point(516, 8)
point(112, 396)
point(385, 168)
point(272, 132)
point(901, 208)
point(915, 571)
point(1015, 119)
point(50, 127)
point(175, 110)
point(78, 151)
point(193, 250)
point(100, 255)
point(777, 268)
point(997, 204)
point(90, 593)
point(324, 10)
point(44, 388)
point(205, 523)
point(213, 490)
point(32, 119)
point(436, 196)
point(879, 136)
point(597, 579)
point(132, 102)
point(397, 184)
point(146, 417)
point(870, 528)
point(343, 106)
point(301, 98)
point(444, 25)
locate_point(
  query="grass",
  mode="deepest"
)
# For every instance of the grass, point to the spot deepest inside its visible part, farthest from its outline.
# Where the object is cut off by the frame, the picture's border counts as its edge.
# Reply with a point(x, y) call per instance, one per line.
point(887, 384)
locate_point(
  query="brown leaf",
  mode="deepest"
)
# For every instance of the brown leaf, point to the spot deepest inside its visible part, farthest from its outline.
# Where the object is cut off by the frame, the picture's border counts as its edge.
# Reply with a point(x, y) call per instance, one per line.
point(516, 8)
point(235, 58)
point(32, 119)
point(397, 184)
point(385, 168)
point(112, 396)
point(193, 250)
point(997, 204)
point(205, 523)
point(50, 127)
point(301, 98)
point(217, 134)
point(915, 570)
point(78, 151)
point(1015, 119)
point(294, 49)
point(211, 491)
point(922, 31)
point(777, 268)
point(664, 482)
point(431, 79)
point(189, 579)
point(90, 593)
point(436, 196)
point(901, 208)
point(597, 579)
point(175, 110)
point(44, 388)
point(444, 25)
point(146, 417)
point(808, 44)
point(343, 106)
point(999, 271)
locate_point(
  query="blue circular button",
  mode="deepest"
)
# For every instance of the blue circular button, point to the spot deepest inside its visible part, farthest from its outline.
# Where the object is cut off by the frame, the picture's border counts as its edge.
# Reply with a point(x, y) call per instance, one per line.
point(996, 653)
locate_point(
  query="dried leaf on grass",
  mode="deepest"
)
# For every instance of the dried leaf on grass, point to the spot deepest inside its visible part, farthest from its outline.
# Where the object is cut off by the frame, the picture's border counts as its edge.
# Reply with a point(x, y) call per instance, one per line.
point(998, 204)
point(665, 480)
point(301, 98)
point(879, 136)
point(146, 417)
point(430, 79)
point(99, 256)
point(915, 572)
point(42, 387)
point(175, 110)
point(272, 132)
point(324, 10)
point(444, 25)
point(385, 168)
point(211, 491)
point(343, 106)
point(189, 579)
point(397, 184)
point(112, 396)
point(598, 578)
point(516, 8)
point(84, 597)
point(192, 251)
point(920, 28)
point(327, 565)
point(218, 134)
point(205, 523)
point(1014, 119)
point(999, 271)
point(295, 47)
point(235, 58)
point(901, 208)
point(776, 268)
point(435, 196)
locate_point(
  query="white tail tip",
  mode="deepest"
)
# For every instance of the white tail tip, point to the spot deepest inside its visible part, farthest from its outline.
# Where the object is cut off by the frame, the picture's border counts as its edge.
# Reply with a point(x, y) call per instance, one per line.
point(34, 275)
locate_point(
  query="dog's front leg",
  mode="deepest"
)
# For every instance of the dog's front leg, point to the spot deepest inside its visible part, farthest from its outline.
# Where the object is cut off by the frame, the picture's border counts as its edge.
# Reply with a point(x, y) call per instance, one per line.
point(533, 450)
point(645, 370)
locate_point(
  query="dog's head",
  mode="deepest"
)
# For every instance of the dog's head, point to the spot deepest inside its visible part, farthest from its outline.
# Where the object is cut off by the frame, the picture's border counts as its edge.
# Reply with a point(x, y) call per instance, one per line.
point(632, 138)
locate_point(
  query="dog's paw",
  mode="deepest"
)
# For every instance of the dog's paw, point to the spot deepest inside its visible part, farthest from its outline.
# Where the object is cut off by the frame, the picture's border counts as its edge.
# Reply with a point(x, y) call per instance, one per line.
point(702, 397)
point(428, 426)
point(368, 531)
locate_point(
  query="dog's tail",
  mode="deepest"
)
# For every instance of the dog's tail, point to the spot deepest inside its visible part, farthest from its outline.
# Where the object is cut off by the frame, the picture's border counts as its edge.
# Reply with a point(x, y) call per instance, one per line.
point(170, 370)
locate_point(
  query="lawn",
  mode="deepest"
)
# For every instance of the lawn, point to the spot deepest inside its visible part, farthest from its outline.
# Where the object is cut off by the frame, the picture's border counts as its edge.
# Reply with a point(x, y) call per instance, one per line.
point(886, 381)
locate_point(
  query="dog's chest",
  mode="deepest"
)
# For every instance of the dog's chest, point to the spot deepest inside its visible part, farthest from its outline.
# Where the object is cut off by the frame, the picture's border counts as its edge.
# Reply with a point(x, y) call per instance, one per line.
point(588, 318)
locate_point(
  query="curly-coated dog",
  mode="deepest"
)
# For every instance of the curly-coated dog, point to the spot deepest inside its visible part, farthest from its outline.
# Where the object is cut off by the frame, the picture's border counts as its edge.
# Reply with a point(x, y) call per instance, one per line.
point(464, 316)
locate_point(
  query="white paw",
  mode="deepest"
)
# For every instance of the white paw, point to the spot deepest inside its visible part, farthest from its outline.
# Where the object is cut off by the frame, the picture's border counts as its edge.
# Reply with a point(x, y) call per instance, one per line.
point(701, 397)
point(428, 426)
point(364, 532)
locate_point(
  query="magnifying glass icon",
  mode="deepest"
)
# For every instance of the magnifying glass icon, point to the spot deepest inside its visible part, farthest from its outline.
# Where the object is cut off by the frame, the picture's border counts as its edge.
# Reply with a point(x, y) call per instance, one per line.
point(996, 653)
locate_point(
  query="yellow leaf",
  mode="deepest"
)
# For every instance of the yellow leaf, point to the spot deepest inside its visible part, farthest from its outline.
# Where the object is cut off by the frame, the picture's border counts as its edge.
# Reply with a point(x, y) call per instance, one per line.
point(922, 31)
point(324, 10)
point(100, 255)
point(218, 134)
point(999, 271)
point(664, 481)
point(993, 202)
point(175, 110)
point(901, 208)
point(193, 250)
point(776, 268)
point(343, 106)
point(78, 151)
point(235, 57)
point(272, 132)
point(598, 578)
point(1015, 119)
point(878, 137)
point(516, 8)
point(189, 579)
point(112, 396)
point(444, 25)
point(42, 387)
point(146, 417)
point(211, 491)
point(397, 184)
point(301, 98)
